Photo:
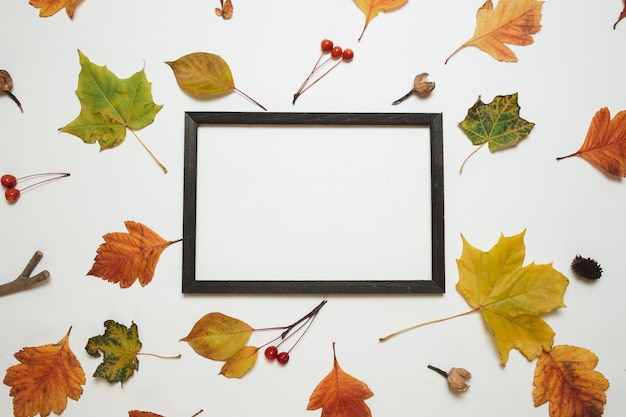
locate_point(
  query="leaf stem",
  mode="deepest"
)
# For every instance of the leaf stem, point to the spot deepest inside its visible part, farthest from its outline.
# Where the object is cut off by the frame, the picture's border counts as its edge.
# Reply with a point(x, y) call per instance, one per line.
point(439, 371)
point(160, 356)
point(198, 413)
point(10, 94)
point(149, 152)
point(404, 97)
point(249, 98)
point(415, 326)
point(470, 155)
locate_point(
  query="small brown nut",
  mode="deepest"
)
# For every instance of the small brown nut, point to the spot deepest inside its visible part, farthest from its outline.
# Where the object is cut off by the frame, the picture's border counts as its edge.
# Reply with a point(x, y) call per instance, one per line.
point(6, 82)
point(457, 378)
point(421, 87)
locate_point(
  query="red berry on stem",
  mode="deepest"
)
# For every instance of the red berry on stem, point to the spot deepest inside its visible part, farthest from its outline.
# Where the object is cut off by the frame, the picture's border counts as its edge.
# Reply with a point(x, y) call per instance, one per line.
point(327, 45)
point(283, 358)
point(8, 181)
point(347, 55)
point(336, 52)
point(271, 352)
point(12, 195)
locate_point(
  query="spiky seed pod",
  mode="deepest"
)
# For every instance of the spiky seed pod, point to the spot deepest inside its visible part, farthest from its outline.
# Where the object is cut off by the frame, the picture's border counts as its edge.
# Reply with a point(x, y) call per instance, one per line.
point(586, 268)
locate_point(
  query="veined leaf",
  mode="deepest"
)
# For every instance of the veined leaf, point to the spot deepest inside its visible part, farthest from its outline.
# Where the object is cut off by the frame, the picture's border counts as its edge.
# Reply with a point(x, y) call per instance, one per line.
point(513, 22)
point(217, 336)
point(50, 7)
point(240, 363)
point(371, 8)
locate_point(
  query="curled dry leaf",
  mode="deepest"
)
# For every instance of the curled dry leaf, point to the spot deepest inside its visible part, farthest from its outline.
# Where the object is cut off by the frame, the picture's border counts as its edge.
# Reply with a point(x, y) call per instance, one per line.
point(605, 143)
point(44, 379)
point(6, 84)
point(226, 11)
point(48, 8)
point(203, 73)
point(566, 378)
point(512, 22)
point(421, 87)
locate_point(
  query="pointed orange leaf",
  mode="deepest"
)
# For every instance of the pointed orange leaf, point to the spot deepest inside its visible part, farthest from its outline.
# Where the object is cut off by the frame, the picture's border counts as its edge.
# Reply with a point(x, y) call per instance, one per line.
point(371, 8)
point(565, 377)
point(605, 144)
point(46, 377)
point(340, 394)
point(124, 257)
point(512, 22)
point(50, 7)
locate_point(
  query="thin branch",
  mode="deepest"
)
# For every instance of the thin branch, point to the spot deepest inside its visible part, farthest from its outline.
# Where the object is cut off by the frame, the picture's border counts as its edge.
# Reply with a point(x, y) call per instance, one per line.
point(25, 280)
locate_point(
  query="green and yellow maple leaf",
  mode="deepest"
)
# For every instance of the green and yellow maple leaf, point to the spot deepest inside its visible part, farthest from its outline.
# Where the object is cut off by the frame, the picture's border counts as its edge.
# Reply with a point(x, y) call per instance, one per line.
point(511, 296)
point(120, 346)
point(110, 105)
point(497, 123)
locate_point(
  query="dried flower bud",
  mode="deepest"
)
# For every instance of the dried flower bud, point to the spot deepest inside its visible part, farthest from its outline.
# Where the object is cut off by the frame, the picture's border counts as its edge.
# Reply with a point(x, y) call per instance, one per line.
point(586, 268)
point(457, 378)
point(422, 88)
point(6, 82)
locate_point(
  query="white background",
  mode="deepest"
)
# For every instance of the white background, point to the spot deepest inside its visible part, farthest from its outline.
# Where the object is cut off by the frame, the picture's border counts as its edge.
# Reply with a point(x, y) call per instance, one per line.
point(575, 67)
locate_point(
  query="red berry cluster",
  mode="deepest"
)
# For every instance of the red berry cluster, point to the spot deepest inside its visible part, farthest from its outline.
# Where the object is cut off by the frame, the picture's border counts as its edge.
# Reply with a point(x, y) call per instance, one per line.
point(12, 194)
point(271, 353)
point(336, 54)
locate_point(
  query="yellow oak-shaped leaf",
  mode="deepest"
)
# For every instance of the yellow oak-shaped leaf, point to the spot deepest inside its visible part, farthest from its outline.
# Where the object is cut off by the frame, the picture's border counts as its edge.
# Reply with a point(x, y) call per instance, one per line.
point(565, 377)
point(511, 296)
point(125, 257)
point(240, 363)
point(48, 8)
point(45, 378)
point(512, 22)
point(340, 394)
point(218, 336)
point(371, 8)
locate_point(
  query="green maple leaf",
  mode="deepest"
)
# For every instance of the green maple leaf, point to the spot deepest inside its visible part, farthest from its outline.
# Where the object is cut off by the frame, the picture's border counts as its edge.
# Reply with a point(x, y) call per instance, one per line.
point(110, 105)
point(120, 346)
point(497, 123)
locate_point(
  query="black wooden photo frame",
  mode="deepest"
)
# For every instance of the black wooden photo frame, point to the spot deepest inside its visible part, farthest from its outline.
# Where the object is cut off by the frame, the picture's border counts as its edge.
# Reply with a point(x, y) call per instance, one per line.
point(191, 283)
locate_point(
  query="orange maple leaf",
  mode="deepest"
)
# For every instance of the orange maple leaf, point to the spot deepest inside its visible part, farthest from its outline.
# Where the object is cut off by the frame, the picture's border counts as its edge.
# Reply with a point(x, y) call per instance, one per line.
point(340, 394)
point(605, 144)
point(48, 8)
point(124, 257)
point(45, 378)
point(513, 22)
point(565, 377)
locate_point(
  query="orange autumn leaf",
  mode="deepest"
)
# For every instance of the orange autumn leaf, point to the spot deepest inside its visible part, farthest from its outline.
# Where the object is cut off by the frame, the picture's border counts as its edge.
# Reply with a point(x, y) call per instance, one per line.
point(565, 377)
point(605, 144)
point(226, 11)
point(137, 413)
point(126, 257)
point(512, 22)
point(44, 379)
point(371, 8)
point(48, 8)
point(340, 394)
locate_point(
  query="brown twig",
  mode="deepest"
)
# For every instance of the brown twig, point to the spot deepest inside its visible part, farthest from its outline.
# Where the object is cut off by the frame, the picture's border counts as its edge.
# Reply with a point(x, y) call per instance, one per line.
point(25, 280)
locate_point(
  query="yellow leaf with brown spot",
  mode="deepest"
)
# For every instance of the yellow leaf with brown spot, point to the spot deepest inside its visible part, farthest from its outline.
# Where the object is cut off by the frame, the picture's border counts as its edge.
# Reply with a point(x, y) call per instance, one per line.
point(512, 22)
point(44, 379)
point(566, 378)
point(125, 257)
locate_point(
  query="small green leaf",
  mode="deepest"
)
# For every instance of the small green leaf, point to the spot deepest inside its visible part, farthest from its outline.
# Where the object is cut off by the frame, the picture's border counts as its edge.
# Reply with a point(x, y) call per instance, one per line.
point(119, 345)
point(109, 105)
point(497, 123)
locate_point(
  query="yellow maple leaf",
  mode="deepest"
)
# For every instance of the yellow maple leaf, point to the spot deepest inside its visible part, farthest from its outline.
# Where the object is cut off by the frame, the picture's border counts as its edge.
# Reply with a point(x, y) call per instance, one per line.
point(46, 377)
point(125, 257)
point(340, 394)
point(510, 296)
point(48, 8)
point(512, 22)
point(371, 8)
point(565, 377)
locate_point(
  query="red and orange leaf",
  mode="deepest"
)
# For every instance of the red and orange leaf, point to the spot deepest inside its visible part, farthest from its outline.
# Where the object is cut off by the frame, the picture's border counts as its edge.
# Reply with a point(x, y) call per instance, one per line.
point(126, 257)
point(340, 394)
point(48, 8)
point(44, 379)
point(605, 144)
point(137, 413)
point(512, 22)
point(371, 8)
point(565, 377)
